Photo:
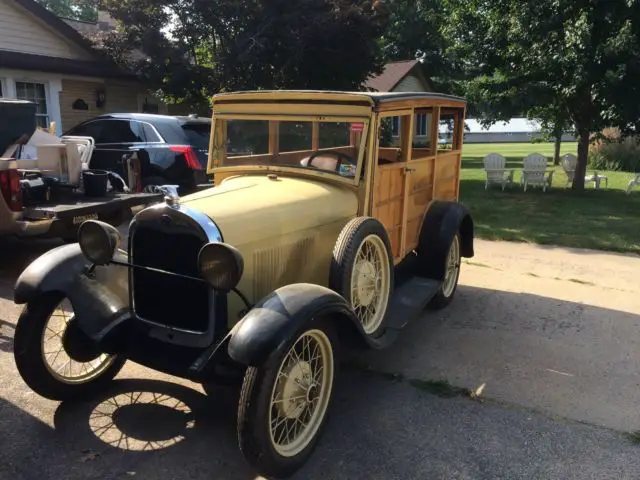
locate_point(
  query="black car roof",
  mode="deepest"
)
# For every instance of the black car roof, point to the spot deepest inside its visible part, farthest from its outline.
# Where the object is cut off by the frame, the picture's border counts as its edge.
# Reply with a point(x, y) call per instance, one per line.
point(154, 118)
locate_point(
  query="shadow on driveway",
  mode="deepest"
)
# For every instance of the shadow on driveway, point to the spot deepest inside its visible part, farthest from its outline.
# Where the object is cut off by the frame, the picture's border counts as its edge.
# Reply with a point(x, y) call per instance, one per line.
point(378, 430)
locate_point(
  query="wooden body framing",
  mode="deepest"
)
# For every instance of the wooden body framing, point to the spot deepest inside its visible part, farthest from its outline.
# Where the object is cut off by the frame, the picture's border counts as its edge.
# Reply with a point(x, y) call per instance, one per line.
point(396, 185)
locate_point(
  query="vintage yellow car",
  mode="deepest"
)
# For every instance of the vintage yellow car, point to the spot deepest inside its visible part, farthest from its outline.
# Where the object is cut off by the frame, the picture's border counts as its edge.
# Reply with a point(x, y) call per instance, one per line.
point(334, 220)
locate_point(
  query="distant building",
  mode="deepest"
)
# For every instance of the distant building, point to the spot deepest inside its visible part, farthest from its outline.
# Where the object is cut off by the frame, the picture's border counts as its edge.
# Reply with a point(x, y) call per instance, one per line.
point(516, 130)
point(404, 76)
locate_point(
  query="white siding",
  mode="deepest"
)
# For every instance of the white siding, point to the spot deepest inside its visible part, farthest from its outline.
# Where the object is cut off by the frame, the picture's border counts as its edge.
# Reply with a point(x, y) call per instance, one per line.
point(410, 83)
point(21, 32)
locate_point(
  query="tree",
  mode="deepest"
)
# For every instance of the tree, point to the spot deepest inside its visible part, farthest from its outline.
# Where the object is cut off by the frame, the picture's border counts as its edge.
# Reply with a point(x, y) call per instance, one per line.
point(414, 30)
point(84, 10)
point(194, 48)
point(578, 57)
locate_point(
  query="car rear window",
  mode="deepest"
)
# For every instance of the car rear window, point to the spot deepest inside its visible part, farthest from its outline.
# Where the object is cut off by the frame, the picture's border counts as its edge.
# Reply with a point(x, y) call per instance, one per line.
point(197, 134)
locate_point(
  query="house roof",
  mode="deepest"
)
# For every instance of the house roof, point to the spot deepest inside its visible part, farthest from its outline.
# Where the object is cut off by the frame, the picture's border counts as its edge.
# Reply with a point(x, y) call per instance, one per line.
point(100, 66)
point(391, 75)
point(43, 63)
point(59, 25)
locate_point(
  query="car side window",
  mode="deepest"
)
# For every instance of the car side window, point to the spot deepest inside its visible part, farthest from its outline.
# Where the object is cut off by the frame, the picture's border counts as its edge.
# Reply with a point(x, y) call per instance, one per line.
point(110, 131)
point(149, 133)
point(120, 131)
point(89, 129)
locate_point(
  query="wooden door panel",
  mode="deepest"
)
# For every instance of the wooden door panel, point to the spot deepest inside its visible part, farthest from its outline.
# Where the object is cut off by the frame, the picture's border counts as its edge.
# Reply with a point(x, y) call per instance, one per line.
point(389, 202)
point(446, 176)
point(420, 185)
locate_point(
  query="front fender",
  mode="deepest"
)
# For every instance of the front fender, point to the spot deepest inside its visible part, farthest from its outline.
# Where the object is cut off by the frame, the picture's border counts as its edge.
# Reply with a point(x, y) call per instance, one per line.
point(95, 298)
point(442, 221)
point(267, 328)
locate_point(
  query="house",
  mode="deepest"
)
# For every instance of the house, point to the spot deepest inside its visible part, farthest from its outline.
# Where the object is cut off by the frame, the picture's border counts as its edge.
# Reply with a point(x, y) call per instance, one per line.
point(516, 130)
point(404, 76)
point(46, 60)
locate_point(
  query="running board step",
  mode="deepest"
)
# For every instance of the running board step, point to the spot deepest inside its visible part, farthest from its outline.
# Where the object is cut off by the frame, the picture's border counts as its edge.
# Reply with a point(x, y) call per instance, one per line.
point(409, 300)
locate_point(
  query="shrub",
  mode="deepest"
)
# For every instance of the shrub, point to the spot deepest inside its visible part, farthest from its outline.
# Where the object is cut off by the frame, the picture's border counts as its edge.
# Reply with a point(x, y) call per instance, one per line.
point(616, 154)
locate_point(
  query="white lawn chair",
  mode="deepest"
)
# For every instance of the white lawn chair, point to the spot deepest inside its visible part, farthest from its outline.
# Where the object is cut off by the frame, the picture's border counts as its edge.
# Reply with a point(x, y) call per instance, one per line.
point(633, 183)
point(535, 172)
point(569, 162)
point(494, 166)
point(85, 146)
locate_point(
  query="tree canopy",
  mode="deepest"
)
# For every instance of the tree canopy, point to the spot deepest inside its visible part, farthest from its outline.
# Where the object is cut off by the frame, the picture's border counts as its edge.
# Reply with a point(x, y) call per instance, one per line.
point(195, 48)
point(561, 60)
point(85, 10)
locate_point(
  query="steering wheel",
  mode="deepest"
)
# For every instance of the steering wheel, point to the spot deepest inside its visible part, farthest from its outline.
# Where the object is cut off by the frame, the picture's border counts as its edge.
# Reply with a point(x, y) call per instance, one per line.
point(339, 156)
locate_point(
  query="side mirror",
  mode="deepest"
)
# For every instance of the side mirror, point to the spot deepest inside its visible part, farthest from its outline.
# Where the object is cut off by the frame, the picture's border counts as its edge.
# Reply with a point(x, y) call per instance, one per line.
point(221, 265)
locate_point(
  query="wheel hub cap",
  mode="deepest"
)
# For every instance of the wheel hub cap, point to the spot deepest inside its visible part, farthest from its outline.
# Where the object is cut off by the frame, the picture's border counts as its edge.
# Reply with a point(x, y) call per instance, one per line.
point(367, 283)
point(296, 390)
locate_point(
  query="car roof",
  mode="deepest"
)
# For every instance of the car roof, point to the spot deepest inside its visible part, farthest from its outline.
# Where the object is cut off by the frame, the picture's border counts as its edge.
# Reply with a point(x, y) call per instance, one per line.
point(155, 118)
point(338, 96)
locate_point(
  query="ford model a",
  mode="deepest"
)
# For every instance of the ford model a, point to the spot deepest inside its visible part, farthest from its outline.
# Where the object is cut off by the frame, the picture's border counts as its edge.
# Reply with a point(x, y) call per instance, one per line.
point(334, 220)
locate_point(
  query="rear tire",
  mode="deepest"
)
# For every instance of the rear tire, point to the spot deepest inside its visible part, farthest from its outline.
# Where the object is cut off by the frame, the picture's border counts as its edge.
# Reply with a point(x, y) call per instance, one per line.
point(362, 271)
point(290, 391)
point(452, 274)
point(32, 356)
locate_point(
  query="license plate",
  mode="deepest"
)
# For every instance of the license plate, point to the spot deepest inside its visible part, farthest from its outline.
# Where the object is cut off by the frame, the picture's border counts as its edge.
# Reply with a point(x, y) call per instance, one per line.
point(81, 218)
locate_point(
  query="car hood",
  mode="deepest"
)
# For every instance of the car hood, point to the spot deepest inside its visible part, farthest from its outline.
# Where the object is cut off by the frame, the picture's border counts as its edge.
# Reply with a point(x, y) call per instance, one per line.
point(256, 207)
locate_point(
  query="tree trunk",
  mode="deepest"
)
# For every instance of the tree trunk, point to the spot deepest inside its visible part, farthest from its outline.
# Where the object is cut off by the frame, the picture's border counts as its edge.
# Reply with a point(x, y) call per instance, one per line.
point(558, 144)
point(583, 157)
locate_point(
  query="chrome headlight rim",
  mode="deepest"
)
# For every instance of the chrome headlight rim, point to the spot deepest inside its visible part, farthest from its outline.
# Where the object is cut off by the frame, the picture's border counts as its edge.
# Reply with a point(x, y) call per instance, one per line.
point(98, 241)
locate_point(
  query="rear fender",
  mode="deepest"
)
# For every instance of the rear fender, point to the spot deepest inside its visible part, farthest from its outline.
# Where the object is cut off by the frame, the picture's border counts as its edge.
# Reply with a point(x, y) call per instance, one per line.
point(441, 223)
point(96, 297)
point(268, 327)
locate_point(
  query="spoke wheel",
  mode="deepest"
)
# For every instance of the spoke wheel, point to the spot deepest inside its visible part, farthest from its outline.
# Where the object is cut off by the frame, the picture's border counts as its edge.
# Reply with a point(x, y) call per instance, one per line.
point(64, 352)
point(362, 271)
point(452, 268)
point(54, 357)
point(370, 283)
point(451, 276)
point(301, 394)
point(283, 404)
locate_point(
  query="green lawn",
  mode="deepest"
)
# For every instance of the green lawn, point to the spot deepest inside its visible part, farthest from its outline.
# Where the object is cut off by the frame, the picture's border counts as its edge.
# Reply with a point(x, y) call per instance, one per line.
point(598, 219)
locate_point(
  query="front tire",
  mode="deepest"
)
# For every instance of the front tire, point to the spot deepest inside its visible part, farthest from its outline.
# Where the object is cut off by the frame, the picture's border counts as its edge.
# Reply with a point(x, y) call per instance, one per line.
point(59, 363)
point(283, 404)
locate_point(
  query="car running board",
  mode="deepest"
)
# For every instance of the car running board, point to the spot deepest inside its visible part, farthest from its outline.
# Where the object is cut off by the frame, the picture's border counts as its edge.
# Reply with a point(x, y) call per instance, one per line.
point(407, 302)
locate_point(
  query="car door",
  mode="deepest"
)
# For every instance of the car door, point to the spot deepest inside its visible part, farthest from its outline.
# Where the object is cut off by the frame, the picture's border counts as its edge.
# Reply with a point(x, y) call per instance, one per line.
point(114, 138)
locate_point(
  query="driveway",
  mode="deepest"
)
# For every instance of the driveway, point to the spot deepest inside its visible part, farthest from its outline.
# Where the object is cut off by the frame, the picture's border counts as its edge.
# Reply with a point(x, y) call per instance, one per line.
point(547, 336)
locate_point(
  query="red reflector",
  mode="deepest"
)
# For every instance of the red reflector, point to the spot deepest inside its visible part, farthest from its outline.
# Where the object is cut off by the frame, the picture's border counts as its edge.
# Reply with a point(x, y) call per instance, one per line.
point(189, 154)
point(11, 190)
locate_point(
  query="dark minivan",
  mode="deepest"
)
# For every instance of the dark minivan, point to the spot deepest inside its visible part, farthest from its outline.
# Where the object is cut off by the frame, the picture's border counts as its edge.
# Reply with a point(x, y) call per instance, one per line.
point(172, 149)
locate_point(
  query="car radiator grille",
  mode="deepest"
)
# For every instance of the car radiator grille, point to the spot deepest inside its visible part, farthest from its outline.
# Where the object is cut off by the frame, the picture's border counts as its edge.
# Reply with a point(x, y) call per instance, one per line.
point(166, 299)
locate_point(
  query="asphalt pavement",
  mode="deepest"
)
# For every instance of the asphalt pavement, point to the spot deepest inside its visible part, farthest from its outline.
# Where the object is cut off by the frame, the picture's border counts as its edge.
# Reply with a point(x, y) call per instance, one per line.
point(552, 350)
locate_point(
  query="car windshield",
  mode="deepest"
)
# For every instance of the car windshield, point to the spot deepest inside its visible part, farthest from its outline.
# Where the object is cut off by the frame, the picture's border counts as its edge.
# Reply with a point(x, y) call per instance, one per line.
point(197, 134)
point(330, 146)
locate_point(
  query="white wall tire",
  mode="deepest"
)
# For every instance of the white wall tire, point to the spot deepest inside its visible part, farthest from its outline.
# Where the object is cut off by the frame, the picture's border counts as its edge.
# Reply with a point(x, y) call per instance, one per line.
point(283, 405)
point(52, 361)
point(451, 276)
point(362, 271)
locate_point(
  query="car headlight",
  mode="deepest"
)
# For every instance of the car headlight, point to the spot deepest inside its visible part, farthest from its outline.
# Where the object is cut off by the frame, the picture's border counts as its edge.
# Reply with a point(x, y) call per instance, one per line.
point(221, 265)
point(98, 241)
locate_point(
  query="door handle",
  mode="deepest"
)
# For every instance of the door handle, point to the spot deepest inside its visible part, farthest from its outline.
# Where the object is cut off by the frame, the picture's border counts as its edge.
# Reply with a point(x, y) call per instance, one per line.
point(409, 170)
